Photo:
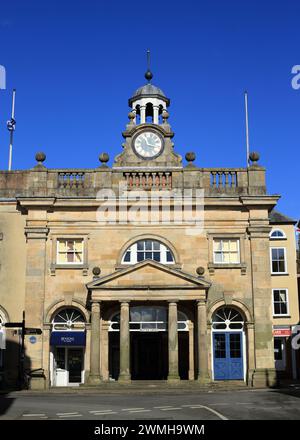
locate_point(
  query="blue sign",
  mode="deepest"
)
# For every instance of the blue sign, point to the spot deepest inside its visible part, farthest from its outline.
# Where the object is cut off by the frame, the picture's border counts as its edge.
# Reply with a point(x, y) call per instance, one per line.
point(32, 339)
point(68, 338)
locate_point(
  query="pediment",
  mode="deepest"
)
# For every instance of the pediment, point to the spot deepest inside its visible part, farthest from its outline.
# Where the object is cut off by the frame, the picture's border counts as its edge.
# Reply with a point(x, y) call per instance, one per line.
point(147, 274)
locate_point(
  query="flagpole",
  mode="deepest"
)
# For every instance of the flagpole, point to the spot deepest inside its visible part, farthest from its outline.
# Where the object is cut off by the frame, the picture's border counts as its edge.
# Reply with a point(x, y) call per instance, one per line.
point(11, 125)
point(247, 128)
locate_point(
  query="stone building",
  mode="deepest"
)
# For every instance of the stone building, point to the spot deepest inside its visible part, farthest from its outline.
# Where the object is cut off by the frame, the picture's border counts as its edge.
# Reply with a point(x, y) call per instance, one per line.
point(149, 269)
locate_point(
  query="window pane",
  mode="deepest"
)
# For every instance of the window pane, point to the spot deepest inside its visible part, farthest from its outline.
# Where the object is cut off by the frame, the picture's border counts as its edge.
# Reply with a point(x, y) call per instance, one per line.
point(148, 245)
point(233, 246)
point(61, 246)
point(78, 246)
point(219, 346)
point(62, 258)
point(283, 309)
point(156, 245)
point(78, 257)
point(70, 245)
point(156, 256)
point(274, 254)
point(276, 309)
point(226, 258)
point(217, 245)
point(276, 295)
point(169, 257)
point(70, 257)
point(282, 295)
point(225, 245)
point(127, 256)
point(235, 345)
point(140, 245)
point(140, 256)
point(218, 257)
point(234, 258)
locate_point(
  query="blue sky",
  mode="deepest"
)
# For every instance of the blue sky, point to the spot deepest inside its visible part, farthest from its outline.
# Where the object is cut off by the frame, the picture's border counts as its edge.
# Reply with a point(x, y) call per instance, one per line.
point(76, 63)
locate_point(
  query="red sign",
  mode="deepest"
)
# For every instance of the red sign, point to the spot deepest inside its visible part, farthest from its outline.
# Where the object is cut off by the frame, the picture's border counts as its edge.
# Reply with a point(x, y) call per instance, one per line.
point(282, 332)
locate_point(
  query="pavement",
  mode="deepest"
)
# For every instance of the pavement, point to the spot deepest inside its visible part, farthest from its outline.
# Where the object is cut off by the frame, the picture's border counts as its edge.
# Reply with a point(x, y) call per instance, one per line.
point(155, 404)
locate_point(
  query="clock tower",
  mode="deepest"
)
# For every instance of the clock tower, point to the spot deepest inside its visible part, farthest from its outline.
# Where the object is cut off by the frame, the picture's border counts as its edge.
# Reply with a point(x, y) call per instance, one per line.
point(148, 135)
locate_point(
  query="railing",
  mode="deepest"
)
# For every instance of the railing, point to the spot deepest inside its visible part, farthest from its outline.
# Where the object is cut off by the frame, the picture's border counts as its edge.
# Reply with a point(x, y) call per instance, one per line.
point(148, 181)
point(71, 179)
point(223, 179)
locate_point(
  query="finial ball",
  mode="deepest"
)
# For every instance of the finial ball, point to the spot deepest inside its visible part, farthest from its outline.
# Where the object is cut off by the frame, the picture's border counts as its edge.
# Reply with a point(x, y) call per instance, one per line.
point(104, 157)
point(40, 157)
point(254, 156)
point(190, 157)
point(131, 115)
point(148, 75)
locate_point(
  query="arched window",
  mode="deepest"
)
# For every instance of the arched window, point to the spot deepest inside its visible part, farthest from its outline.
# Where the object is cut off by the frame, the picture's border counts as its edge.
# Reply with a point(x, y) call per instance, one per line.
point(137, 114)
point(68, 319)
point(277, 234)
point(227, 318)
point(148, 250)
point(149, 112)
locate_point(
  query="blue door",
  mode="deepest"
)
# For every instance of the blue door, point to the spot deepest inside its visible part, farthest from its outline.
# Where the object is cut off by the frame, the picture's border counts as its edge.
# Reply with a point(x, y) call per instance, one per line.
point(228, 356)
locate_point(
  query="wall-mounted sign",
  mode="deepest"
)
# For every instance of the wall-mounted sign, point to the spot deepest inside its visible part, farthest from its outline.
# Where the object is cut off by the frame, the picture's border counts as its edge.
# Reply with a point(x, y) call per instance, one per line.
point(68, 338)
point(282, 332)
point(32, 339)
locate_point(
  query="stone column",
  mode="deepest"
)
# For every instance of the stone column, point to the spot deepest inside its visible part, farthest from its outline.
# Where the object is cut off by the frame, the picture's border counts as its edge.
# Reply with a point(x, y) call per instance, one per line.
point(191, 351)
point(155, 114)
point(173, 342)
point(143, 114)
point(203, 376)
point(124, 375)
point(94, 377)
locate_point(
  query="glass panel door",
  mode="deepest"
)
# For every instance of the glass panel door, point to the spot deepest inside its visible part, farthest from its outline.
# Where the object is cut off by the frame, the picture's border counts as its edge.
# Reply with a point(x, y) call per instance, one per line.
point(75, 364)
point(228, 356)
point(60, 370)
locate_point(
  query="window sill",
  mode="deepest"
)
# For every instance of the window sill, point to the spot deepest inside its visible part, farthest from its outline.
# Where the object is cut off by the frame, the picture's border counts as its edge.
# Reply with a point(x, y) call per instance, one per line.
point(281, 316)
point(278, 274)
point(213, 266)
point(82, 267)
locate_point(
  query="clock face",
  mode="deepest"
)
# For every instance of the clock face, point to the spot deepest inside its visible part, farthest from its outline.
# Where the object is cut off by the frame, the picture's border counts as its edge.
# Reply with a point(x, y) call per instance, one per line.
point(148, 145)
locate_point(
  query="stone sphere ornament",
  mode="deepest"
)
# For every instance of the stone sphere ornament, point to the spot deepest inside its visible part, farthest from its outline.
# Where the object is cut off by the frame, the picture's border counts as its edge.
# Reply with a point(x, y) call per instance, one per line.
point(165, 115)
point(200, 271)
point(104, 158)
point(190, 157)
point(254, 157)
point(40, 157)
point(131, 116)
point(96, 271)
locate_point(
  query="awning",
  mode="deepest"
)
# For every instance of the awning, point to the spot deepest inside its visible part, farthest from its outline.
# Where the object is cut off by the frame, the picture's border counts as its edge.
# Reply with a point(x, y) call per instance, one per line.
point(68, 338)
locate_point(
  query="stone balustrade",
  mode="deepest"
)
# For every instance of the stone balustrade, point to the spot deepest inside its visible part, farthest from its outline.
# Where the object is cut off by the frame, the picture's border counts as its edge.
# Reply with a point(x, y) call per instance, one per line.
point(224, 179)
point(148, 180)
point(41, 181)
point(70, 179)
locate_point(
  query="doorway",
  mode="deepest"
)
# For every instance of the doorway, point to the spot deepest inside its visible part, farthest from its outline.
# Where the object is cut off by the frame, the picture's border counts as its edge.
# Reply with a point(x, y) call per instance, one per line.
point(149, 356)
point(68, 366)
point(228, 356)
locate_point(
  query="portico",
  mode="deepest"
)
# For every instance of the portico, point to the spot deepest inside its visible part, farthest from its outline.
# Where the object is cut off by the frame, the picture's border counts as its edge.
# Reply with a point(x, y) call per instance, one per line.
point(163, 288)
